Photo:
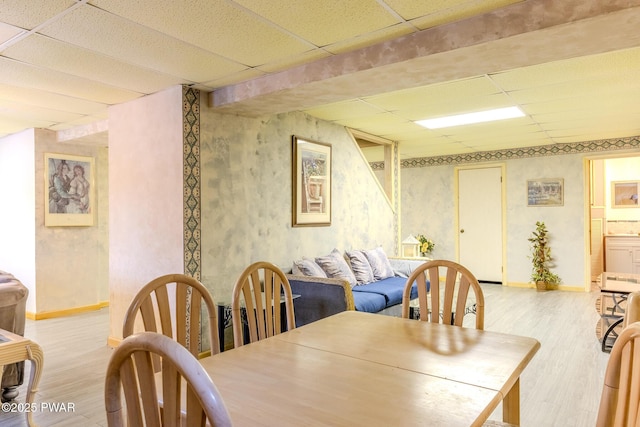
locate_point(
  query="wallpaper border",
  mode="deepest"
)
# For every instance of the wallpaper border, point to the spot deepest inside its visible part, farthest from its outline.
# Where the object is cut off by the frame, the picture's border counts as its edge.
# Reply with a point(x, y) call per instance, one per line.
point(191, 181)
point(612, 144)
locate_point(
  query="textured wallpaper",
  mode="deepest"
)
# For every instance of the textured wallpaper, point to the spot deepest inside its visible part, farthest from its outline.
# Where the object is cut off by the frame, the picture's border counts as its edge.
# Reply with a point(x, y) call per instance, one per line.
point(247, 196)
point(428, 207)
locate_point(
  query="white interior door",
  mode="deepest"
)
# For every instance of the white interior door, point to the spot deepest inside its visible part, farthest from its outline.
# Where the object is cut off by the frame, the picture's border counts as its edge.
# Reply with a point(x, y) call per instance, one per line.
point(480, 222)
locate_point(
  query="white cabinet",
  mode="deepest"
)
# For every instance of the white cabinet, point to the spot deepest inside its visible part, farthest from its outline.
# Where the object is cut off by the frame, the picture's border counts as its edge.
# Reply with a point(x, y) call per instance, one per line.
point(622, 254)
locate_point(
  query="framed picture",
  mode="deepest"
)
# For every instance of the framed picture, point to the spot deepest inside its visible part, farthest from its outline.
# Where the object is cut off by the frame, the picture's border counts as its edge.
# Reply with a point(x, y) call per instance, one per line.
point(69, 196)
point(545, 192)
point(624, 194)
point(311, 181)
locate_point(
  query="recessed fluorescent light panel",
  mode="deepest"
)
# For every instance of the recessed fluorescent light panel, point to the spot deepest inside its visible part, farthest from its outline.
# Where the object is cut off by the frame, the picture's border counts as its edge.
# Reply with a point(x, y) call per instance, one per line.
point(470, 118)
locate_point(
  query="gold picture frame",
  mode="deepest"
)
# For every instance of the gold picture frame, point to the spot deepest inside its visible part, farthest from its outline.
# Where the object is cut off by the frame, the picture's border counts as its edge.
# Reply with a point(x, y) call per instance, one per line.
point(624, 194)
point(311, 183)
point(69, 190)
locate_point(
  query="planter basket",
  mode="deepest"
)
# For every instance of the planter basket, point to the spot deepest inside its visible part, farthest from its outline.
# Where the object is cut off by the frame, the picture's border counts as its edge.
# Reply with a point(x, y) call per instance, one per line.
point(541, 286)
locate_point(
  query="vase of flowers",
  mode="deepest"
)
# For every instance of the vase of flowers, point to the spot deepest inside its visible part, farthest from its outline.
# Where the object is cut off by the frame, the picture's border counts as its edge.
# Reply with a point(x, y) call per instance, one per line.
point(426, 245)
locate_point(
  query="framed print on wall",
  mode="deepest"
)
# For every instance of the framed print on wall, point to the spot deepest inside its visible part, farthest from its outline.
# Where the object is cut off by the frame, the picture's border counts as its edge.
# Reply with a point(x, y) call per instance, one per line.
point(311, 183)
point(624, 194)
point(69, 196)
point(545, 192)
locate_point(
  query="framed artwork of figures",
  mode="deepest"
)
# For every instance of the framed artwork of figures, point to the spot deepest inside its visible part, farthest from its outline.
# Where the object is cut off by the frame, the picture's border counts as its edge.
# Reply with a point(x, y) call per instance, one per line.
point(69, 190)
point(311, 183)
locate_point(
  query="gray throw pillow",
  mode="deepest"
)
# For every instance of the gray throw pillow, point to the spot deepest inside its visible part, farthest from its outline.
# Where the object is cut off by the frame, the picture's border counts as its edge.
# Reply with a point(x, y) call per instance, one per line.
point(361, 267)
point(336, 266)
point(308, 267)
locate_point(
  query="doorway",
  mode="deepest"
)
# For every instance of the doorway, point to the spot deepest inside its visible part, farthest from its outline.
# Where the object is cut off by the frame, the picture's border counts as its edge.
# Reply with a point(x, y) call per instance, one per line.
point(480, 221)
point(601, 171)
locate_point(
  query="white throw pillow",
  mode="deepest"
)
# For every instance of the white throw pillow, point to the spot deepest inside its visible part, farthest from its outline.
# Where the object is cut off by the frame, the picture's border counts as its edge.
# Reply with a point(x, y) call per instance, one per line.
point(361, 267)
point(379, 263)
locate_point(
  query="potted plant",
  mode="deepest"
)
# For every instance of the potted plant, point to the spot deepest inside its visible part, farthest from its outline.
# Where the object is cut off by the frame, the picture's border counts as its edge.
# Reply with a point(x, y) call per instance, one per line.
point(541, 258)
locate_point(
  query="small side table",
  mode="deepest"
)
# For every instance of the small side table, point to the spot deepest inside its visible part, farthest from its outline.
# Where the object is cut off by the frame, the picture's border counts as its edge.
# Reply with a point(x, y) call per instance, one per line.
point(14, 348)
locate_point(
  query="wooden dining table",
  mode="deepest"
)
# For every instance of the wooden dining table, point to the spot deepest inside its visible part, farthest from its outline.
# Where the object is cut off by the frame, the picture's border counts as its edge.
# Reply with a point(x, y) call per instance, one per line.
point(365, 369)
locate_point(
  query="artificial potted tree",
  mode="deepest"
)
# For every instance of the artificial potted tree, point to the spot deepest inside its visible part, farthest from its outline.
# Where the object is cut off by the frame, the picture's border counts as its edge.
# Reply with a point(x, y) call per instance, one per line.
point(541, 259)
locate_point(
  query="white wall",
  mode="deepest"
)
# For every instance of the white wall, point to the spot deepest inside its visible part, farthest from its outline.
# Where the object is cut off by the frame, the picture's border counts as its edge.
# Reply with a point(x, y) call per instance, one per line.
point(64, 268)
point(17, 216)
point(71, 268)
point(145, 196)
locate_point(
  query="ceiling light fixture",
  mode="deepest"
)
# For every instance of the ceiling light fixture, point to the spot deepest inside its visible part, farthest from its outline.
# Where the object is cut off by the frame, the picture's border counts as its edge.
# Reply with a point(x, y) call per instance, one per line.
point(469, 118)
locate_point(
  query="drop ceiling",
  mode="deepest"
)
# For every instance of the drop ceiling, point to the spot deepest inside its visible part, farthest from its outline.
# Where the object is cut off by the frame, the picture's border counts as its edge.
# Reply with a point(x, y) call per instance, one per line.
point(371, 65)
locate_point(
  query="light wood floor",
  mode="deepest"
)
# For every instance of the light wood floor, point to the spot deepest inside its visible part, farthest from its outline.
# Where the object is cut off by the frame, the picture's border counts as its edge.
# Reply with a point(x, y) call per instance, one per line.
point(561, 386)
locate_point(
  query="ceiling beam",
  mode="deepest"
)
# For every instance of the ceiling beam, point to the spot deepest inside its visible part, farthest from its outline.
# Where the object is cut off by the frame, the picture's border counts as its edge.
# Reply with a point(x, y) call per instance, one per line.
point(522, 34)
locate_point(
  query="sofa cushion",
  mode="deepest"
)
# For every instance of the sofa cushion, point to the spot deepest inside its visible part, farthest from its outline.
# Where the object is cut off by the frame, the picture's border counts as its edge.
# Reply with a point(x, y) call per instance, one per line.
point(308, 267)
point(379, 263)
point(369, 302)
point(390, 288)
point(361, 267)
point(336, 266)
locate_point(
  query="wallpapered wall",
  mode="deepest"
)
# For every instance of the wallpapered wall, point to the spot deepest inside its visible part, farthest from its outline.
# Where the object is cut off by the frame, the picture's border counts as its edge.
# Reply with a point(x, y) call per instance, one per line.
point(246, 196)
point(428, 207)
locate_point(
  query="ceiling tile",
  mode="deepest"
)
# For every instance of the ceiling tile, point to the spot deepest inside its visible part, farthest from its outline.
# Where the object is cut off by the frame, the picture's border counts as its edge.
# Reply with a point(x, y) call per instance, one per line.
point(374, 37)
point(24, 75)
point(445, 11)
point(55, 55)
point(434, 94)
point(411, 9)
point(113, 36)
point(213, 25)
point(593, 66)
point(346, 110)
point(324, 22)
point(378, 124)
point(28, 15)
point(45, 99)
point(294, 61)
point(455, 106)
point(20, 110)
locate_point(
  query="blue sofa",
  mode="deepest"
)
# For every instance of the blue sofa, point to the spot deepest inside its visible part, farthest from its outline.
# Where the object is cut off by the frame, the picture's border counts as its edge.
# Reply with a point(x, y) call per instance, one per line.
point(321, 296)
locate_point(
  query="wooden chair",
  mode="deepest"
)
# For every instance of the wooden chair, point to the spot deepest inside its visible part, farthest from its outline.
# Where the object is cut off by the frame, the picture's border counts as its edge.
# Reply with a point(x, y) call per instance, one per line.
point(172, 305)
point(130, 374)
point(632, 311)
point(620, 401)
point(449, 302)
point(256, 303)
